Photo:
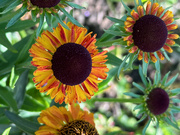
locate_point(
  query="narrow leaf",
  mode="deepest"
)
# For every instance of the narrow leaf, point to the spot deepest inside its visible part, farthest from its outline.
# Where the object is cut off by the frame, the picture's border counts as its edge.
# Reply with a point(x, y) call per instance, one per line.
point(75, 5)
point(74, 21)
point(138, 107)
point(7, 96)
point(113, 60)
point(143, 78)
point(171, 123)
point(6, 132)
point(176, 91)
point(20, 88)
point(145, 128)
point(142, 118)
point(132, 94)
point(115, 20)
point(172, 80)
point(16, 17)
point(61, 22)
point(11, 6)
point(126, 7)
point(23, 124)
point(116, 33)
point(165, 78)
point(40, 25)
point(138, 86)
point(110, 43)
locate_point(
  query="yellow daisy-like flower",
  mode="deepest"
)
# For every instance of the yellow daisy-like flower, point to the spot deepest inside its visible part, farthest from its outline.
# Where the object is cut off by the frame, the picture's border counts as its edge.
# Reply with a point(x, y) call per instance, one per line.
point(69, 66)
point(150, 31)
point(60, 121)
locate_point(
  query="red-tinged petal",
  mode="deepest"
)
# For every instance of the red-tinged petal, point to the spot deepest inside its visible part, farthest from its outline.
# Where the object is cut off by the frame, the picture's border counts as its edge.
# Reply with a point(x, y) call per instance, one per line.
point(134, 14)
point(169, 21)
point(130, 19)
point(154, 8)
point(140, 11)
point(173, 36)
point(129, 42)
point(160, 11)
point(153, 57)
point(167, 15)
point(146, 57)
point(160, 55)
point(129, 29)
point(128, 24)
point(170, 42)
point(133, 49)
point(168, 49)
point(80, 94)
point(127, 38)
point(140, 55)
point(148, 7)
point(172, 27)
point(41, 62)
point(71, 95)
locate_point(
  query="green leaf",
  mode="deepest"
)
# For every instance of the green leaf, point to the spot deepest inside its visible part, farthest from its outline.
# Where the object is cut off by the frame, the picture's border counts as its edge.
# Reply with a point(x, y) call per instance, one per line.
point(5, 2)
point(6, 17)
point(20, 88)
point(165, 78)
point(25, 125)
point(165, 54)
point(115, 20)
point(2, 58)
point(61, 22)
point(176, 100)
point(116, 33)
point(74, 21)
point(176, 91)
point(12, 57)
point(142, 118)
point(31, 104)
point(145, 66)
point(132, 94)
point(16, 17)
point(122, 65)
point(172, 80)
point(143, 78)
point(24, 53)
point(6, 132)
point(11, 6)
point(126, 7)
point(157, 77)
point(5, 42)
point(113, 60)
point(40, 25)
point(75, 5)
point(137, 107)
point(7, 96)
point(171, 123)
point(145, 128)
point(138, 86)
point(33, 15)
point(14, 130)
point(48, 19)
point(110, 43)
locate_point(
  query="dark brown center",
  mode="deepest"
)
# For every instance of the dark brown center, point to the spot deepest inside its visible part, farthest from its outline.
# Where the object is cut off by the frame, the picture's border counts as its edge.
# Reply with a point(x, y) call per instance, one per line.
point(158, 101)
point(71, 64)
point(149, 33)
point(45, 3)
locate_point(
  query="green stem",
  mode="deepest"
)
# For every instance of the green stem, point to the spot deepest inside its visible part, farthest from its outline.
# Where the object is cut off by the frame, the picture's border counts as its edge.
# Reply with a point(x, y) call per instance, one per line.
point(120, 100)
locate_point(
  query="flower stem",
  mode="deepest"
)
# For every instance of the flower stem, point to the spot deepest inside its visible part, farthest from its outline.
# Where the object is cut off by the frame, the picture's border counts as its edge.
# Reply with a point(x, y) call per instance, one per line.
point(120, 100)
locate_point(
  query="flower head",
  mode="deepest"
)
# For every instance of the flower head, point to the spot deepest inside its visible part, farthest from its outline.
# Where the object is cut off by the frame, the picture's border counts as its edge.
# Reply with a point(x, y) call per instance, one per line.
point(149, 31)
point(60, 121)
point(43, 8)
point(157, 103)
point(68, 64)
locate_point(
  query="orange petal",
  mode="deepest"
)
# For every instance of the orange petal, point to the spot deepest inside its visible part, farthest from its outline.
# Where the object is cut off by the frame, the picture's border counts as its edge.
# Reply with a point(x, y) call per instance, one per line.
point(154, 8)
point(169, 21)
point(140, 55)
point(148, 7)
point(129, 42)
point(128, 24)
point(160, 11)
point(168, 49)
point(146, 57)
point(129, 29)
point(134, 14)
point(127, 38)
point(172, 27)
point(170, 42)
point(160, 55)
point(153, 57)
point(133, 49)
point(173, 36)
point(130, 19)
point(140, 11)
point(167, 15)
